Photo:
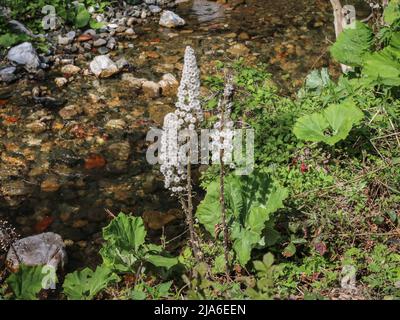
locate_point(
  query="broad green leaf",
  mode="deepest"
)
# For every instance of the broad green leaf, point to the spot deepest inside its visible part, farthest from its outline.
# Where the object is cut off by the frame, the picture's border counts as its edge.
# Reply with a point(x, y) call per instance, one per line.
point(352, 44)
point(392, 11)
point(331, 125)
point(26, 283)
point(126, 232)
point(318, 80)
point(161, 261)
point(383, 67)
point(117, 259)
point(244, 242)
point(208, 211)
point(86, 284)
point(82, 17)
point(250, 201)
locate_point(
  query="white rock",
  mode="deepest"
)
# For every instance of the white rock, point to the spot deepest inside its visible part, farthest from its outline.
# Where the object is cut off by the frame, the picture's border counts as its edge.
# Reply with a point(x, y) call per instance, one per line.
point(70, 69)
point(169, 85)
point(60, 82)
point(103, 67)
point(135, 83)
point(170, 19)
point(151, 89)
point(154, 9)
point(115, 124)
point(42, 249)
point(26, 55)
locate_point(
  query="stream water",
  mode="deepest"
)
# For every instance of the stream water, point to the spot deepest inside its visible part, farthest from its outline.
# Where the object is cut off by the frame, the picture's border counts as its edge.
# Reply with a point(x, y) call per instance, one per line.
point(61, 175)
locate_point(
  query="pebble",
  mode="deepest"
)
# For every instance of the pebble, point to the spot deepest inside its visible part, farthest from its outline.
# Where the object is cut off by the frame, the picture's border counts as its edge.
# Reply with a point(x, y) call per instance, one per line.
point(151, 89)
point(60, 81)
point(70, 111)
point(70, 69)
point(115, 124)
point(120, 150)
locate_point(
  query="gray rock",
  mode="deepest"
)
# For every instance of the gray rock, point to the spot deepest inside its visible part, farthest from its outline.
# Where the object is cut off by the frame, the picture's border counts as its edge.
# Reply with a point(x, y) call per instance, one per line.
point(122, 63)
point(7, 74)
point(25, 55)
point(103, 67)
point(63, 41)
point(42, 249)
point(170, 19)
point(71, 35)
point(111, 43)
point(102, 50)
point(99, 42)
point(155, 9)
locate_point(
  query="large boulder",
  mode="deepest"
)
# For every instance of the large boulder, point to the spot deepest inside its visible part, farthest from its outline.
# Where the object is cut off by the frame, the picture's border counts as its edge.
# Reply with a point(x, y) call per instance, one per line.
point(103, 67)
point(170, 19)
point(24, 54)
point(42, 249)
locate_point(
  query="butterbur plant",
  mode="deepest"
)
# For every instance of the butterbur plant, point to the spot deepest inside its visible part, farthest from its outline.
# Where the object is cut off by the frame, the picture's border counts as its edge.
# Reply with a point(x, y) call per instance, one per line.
point(175, 155)
point(222, 146)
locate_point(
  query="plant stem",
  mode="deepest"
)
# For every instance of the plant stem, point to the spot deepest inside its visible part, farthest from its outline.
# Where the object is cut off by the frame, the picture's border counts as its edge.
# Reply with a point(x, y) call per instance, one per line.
point(189, 212)
point(223, 211)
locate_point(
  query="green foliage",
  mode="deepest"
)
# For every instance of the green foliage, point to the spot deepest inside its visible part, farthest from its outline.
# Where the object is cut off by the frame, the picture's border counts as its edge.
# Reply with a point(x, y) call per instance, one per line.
point(383, 67)
point(352, 45)
point(82, 17)
point(125, 248)
point(26, 283)
point(329, 126)
point(144, 291)
point(8, 39)
point(86, 284)
point(379, 269)
point(251, 201)
point(317, 80)
point(265, 279)
point(392, 12)
point(202, 287)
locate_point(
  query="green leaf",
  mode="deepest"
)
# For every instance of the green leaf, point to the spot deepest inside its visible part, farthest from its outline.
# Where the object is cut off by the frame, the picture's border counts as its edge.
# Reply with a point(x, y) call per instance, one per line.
point(268, 259)
point(117, 259)
point(318, 80)
point(289, 251)
point(26, 283)
point(86, 284)
point(245, 241)
point(82, 17)
point(125, 245)
point(331, 125)
point(219, 264)
point(250, 201)
point(94, 24)
point(352, 44)
point(383, 67)
point(138, 295)
point(392, 11)
point(126, 232)
point(208, 211)
point(161, 261)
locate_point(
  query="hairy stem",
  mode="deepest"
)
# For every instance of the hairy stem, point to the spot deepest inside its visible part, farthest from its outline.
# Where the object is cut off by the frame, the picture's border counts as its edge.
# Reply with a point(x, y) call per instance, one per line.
point(188, 207)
